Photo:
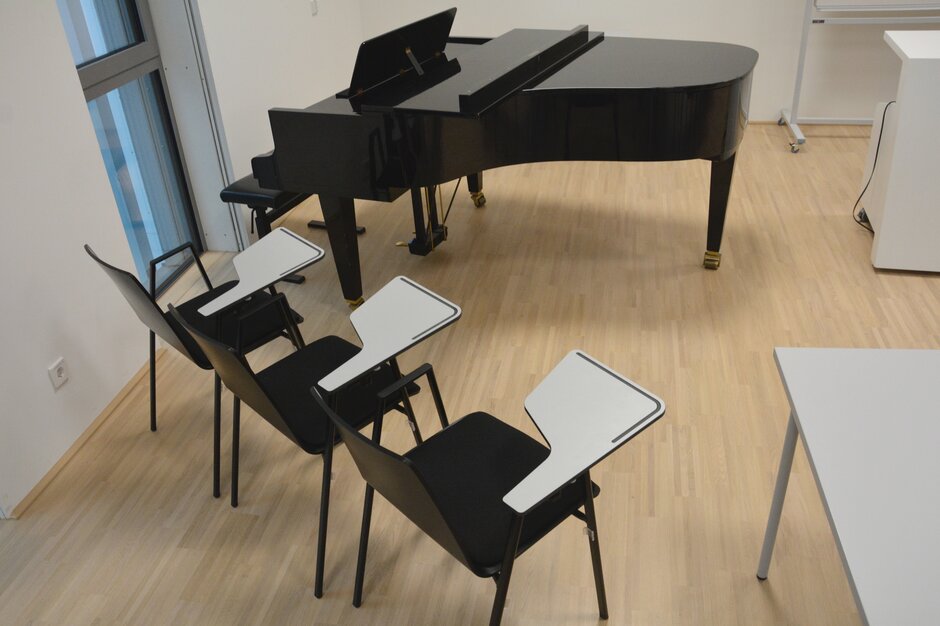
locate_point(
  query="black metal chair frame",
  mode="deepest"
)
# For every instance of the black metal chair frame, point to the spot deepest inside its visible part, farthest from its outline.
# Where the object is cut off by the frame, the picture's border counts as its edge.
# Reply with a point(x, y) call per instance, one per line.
point(259, 399)
point(171, 337)
point(419, 498)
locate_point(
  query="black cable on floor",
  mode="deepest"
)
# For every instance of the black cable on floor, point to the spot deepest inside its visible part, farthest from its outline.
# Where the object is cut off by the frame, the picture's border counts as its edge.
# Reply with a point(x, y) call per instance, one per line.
point(858, 220)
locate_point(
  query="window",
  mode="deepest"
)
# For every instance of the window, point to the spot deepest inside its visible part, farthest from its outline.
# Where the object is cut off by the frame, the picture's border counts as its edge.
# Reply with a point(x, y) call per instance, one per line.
point(118, 62)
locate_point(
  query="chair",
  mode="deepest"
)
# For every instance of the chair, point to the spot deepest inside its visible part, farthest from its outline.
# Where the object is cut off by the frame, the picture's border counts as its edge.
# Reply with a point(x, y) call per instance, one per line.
point(243, 329)
point(280, 395)
point(452, 486)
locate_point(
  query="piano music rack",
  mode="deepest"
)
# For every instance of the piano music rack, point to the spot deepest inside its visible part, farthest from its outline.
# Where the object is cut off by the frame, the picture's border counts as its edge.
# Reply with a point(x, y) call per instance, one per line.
point(817, 13)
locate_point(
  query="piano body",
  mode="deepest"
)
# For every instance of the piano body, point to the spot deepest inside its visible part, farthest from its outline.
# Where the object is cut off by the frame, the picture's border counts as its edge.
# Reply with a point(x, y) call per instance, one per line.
point(424, 109)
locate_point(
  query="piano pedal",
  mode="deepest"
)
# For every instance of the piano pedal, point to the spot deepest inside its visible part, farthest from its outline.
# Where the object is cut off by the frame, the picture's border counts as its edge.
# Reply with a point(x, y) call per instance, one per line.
point(424, 248)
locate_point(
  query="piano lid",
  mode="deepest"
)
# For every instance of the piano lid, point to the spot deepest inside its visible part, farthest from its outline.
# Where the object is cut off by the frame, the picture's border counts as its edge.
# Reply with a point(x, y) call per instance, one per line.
point(621, 64)
point(488, 74)
point(399, 52)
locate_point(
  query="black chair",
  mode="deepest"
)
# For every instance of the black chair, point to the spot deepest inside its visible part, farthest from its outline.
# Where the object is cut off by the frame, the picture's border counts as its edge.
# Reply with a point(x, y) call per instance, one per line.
point(250, 326)
point(452, 486)
point(280, 395)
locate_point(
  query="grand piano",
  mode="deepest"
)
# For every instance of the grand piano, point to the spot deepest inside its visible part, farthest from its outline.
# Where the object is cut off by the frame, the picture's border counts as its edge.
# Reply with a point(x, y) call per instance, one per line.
point(424, 108)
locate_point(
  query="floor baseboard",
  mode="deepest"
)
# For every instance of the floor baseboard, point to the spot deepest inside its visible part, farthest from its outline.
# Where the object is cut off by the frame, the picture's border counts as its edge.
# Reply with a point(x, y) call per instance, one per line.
point(136, 379)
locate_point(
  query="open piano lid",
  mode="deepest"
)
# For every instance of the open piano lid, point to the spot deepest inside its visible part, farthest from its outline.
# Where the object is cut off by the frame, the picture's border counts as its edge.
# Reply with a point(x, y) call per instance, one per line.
point(406, 70)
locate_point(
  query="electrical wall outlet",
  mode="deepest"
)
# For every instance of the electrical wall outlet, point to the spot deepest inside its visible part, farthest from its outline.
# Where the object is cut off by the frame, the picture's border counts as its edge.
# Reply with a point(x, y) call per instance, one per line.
point(58, 373)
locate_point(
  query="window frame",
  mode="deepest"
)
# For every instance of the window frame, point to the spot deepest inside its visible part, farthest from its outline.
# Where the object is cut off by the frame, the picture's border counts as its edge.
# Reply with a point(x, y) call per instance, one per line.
point(106, 73)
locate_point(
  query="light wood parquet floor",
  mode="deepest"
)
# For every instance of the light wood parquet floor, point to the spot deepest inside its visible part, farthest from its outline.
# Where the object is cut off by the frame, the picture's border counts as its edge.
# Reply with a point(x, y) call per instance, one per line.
point(605, 257)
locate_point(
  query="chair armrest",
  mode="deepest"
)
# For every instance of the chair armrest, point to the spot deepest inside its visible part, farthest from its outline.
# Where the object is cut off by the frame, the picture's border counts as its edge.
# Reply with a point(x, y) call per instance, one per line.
point(405, 380)
point(401, 383)
point(542, 483)
point(171, 253)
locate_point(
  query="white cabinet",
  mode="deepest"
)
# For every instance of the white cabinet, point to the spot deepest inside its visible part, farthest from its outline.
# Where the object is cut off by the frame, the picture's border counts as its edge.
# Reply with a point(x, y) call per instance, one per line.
point(903, 200)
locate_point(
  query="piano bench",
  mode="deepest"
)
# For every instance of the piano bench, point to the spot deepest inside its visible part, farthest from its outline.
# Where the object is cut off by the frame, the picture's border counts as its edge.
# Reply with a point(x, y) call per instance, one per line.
point(267, 204)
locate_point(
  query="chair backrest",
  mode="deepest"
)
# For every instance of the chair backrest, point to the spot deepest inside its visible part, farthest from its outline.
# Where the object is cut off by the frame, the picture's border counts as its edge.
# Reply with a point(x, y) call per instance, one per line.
point(396, 479)
point(235, 372)
point(147, 310)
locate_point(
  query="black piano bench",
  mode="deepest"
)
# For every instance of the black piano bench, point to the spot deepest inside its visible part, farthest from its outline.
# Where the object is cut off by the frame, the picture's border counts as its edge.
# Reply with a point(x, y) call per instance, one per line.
point(260, 200)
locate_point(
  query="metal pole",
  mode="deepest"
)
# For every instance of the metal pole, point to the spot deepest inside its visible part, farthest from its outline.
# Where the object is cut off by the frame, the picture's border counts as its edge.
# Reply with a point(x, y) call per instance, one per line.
point(780, 492)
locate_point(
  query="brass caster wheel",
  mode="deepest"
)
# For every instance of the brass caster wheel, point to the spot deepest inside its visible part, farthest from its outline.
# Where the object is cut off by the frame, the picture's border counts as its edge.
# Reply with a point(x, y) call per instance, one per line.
point(794, 147)
point(354, 304)
point(712, 260)
point(478, 199)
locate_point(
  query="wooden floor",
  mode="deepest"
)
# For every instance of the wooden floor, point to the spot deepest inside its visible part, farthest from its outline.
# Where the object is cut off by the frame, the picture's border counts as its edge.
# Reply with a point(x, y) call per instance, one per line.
point(605, 257)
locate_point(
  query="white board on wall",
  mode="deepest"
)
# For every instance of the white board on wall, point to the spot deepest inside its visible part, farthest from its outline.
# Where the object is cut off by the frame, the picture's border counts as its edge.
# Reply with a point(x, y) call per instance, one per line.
point(878, 5)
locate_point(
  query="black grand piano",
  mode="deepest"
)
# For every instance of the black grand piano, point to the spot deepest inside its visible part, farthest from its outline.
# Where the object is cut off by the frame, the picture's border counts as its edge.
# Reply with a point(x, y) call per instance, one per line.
point(424, 108)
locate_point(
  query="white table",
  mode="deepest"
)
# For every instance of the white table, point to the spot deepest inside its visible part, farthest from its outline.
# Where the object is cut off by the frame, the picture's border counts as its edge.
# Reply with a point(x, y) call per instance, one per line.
point(400, 315)
point(263, 263)
point(585, 411)
point(870, 425)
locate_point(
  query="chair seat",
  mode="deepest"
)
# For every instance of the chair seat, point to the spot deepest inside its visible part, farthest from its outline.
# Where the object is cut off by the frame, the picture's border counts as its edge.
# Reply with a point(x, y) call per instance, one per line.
point(300, 370)
point(247, 191)
point(256, 330)
point(469, 467)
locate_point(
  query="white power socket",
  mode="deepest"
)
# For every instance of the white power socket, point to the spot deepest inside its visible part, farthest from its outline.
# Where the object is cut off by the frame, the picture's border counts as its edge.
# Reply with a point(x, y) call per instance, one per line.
point(58, 373)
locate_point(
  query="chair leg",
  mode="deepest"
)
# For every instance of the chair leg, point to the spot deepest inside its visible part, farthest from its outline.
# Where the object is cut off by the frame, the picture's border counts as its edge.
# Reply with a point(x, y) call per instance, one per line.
point(505, 571)
point(412, 420)
point(324, 509)
point(595, 545)
point(291, 330)
point(153, 382)
point(300, 338)
point(217, 437)
point(236, 427)
point(366, 522)
point(438, 401)
point(406, 403)
point(363, 546)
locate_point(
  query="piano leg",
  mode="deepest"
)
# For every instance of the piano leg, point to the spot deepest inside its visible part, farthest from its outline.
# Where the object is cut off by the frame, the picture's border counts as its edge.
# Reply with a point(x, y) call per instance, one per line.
point(475, 184)
point(339, 214)
point(722, 172)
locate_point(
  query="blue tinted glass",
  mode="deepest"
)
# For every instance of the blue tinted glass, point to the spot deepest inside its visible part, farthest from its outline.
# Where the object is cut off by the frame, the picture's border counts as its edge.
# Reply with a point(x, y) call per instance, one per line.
point(96, 28)
point(136, 144)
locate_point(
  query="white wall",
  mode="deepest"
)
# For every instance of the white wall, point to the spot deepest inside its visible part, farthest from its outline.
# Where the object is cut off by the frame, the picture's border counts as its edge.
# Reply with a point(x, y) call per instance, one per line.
point(55, 197)
point(848, 70)
point(274, 54)
point(266, 54)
